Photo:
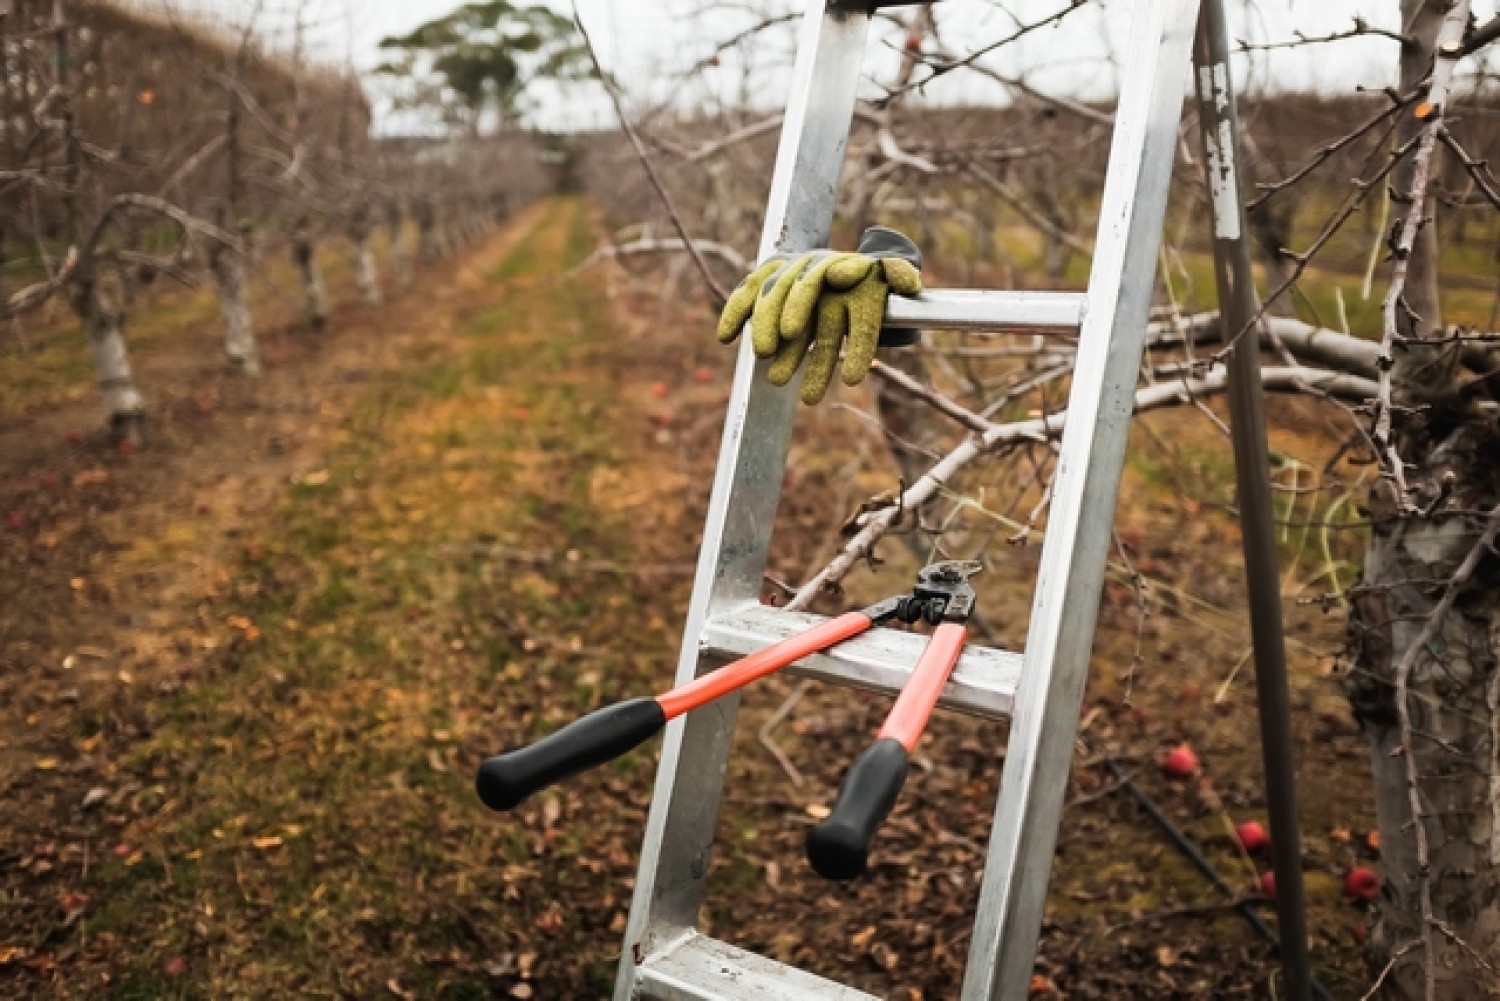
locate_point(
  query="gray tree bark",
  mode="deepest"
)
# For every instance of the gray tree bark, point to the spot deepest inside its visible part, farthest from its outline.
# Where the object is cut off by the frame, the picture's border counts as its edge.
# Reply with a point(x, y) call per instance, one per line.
point(1410, 616)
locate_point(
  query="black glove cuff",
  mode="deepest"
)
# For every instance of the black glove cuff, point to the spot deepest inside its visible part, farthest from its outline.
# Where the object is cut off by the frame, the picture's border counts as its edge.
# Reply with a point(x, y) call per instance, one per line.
point(882, 241)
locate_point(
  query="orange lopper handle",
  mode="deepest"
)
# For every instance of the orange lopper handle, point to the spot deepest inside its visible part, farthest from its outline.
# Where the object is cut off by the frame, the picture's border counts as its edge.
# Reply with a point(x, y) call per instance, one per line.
point(703, 690)
point(919, 695)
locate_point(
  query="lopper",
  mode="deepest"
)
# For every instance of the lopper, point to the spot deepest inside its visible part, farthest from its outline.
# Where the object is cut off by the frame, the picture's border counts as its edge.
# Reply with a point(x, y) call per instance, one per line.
point(839, 846)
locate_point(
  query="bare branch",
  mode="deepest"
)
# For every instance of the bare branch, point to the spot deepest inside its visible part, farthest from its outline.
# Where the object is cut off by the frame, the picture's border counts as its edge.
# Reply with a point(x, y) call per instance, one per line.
point(635, 140)
point(1448, 49)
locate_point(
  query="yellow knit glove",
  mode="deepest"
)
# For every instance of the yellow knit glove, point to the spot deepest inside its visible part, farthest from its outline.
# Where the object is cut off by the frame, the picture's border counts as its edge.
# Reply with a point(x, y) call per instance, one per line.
point(812, 308)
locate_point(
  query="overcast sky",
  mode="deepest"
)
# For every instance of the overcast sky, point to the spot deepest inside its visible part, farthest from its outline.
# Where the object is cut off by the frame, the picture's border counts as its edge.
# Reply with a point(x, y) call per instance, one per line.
point(646, 41)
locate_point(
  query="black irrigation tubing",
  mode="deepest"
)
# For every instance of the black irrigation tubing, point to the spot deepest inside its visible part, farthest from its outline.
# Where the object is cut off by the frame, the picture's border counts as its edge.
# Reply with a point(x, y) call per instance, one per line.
point(1195, 855)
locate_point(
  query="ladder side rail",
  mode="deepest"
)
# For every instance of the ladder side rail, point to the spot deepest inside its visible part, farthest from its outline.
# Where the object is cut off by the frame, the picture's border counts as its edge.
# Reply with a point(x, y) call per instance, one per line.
point(684, 811)
point(1002, 953)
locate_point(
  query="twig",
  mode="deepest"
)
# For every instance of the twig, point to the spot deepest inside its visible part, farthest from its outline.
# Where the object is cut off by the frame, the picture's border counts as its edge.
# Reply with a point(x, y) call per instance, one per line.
point(640, 151)
point(936, 69)
point(1270, 189)
point(1478, 170)
point(769, 726)
point(1386, 971)
point(1361, 27)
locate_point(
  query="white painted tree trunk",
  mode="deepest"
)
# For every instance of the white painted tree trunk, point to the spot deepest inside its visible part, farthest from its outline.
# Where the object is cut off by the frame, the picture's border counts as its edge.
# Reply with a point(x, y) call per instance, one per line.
point(99, 306)
point(228, 270)
point(366, 275)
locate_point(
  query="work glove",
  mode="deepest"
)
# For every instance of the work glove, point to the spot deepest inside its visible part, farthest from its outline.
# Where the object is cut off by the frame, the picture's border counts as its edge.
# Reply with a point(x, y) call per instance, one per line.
point(809, 306)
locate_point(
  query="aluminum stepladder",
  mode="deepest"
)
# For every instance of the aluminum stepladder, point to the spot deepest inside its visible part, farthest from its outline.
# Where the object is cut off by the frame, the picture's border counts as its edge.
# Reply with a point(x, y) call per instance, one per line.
point(1040, 690)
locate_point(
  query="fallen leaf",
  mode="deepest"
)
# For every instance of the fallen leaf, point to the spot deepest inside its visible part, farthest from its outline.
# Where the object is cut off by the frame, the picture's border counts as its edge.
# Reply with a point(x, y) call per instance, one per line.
point(268, 842)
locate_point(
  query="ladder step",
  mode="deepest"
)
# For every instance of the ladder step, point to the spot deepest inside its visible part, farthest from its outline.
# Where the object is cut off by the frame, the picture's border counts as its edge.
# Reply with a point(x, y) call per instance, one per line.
point(699, 968)
point(985, 309)
point(983, 684)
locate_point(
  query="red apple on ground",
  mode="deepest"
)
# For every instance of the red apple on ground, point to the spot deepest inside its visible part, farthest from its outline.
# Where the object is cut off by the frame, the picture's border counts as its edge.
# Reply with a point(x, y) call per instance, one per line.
point(1362, 884)
point(703, 375)
point(659, 390)
point(1268, 885)
point(1180, 763)
point(1253, 837)
point(16, 519)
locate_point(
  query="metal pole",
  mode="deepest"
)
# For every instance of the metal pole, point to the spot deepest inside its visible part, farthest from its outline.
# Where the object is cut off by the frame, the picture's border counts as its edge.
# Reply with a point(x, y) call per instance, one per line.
point(1247, 421)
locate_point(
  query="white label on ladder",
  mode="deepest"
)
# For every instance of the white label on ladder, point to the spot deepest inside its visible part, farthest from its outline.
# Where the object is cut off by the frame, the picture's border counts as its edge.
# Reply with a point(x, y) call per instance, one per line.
point(1223, 185)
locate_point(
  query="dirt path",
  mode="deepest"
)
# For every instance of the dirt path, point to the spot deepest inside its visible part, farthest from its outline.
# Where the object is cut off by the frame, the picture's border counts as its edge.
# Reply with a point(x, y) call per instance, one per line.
point(246, 675)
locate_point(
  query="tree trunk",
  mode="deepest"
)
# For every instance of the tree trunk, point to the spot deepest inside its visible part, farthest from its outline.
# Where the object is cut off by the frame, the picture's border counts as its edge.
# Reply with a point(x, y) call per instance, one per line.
point(1451, 649)
point(228, 271)
point(99, 305)
point(366, 275)
point(427, 249)
point(304, 255)
point(395, 225)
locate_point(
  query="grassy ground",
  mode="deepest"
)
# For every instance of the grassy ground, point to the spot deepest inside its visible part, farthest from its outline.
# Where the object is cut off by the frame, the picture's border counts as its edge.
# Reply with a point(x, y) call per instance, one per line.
point(247, 675)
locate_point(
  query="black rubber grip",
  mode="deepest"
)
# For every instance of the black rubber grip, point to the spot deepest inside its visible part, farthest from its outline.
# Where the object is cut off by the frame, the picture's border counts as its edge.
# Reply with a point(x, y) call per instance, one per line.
point(839, 847)
point(507, 779)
